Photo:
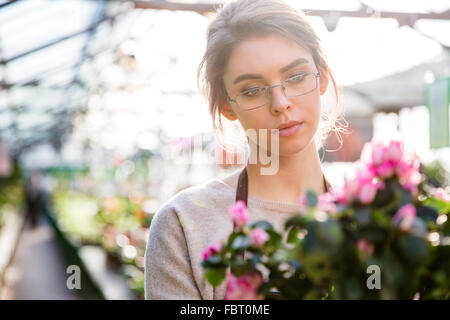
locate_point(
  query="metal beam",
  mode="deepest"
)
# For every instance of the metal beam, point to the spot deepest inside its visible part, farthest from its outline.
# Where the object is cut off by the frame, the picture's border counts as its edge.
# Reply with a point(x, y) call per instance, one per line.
point(7, 3)
point(52, 43)
point(365, 12)
point(98, 17)
point(36, 81)
point(166, 5)
point(50, 72)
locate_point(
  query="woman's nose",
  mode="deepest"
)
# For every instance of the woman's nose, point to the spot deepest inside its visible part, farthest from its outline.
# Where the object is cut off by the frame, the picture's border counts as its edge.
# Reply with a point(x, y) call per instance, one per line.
point(278, 101)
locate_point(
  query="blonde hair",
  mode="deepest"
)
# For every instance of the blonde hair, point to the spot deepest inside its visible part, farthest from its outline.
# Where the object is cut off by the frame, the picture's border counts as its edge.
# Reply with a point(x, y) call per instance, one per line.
point(244, 19)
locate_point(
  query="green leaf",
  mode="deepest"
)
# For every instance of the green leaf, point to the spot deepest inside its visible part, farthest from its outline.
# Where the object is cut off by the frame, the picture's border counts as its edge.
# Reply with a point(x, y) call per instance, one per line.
point(382, 218)
point(313, 294)
point(438, 204)
point(312, 198)
point(393, 272)
point(385, 195)
point(215, 276)
point(292, 236)
point(372, 234)
point(419, 228)
point(255, 259)
point(265, 288)
point(354, 288)
point(241, 242)
point(413, 249)
point(362, 216)
point(214, 259)
point(282, 255)
point(273, 244)
point(205, 265)
point(275, 237)
point(231, 238)
point(262, 224)
point(330, 236)
point(238, 266)
point(310, 240)
point(405, 197)
point(428, 214)
point(295, 221)
point(317, 267)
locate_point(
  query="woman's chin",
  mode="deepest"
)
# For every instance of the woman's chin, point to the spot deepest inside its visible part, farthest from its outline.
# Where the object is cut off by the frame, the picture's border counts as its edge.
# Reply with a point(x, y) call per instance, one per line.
point(289, 148)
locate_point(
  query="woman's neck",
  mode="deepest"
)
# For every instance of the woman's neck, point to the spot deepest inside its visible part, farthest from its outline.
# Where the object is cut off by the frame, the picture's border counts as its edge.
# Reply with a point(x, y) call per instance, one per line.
point(296, 174)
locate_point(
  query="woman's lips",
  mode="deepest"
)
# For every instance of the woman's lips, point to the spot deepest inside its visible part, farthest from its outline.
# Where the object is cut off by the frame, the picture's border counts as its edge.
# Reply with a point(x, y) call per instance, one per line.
point(286, 132)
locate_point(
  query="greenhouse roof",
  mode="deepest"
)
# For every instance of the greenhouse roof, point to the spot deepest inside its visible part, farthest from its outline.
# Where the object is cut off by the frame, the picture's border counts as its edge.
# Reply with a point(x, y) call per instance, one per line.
point(48, 50)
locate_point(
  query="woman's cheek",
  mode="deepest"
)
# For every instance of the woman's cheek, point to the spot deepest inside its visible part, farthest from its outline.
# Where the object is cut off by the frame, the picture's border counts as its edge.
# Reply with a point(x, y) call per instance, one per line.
point(313, 111)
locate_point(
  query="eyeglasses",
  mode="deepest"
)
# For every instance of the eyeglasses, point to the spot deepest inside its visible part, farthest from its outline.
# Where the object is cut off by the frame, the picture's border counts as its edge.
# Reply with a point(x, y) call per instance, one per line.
point(257, 97)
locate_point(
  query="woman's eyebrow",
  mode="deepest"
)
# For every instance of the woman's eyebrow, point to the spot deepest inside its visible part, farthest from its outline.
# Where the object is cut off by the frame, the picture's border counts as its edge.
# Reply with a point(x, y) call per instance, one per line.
point(248, 76)
point(293, 64)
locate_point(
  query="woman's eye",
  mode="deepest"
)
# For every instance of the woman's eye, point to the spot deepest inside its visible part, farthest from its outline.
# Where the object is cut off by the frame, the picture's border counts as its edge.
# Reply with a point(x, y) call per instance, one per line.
point(297, 78)
point(252, 91)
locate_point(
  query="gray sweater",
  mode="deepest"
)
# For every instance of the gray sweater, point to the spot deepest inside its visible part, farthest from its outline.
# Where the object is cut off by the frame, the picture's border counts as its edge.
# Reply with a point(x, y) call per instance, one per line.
point(185, 225)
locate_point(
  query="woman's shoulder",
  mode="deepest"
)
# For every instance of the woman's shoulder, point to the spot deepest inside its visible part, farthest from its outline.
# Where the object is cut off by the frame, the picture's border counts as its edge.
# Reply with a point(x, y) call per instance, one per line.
point(200, 199)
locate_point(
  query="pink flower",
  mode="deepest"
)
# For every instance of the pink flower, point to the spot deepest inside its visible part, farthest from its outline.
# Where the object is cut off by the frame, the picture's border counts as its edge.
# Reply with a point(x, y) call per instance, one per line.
point(326, 203)
point(386, 170)
point(341, 195)
point(368, 191)
point(393, 152)
point(365, 247)
point(259, 237)
point(347, 193)
point(406, 216)
point(239, 214)
point(212, 249)
point(440, 193)
point(372, 153)
point(244, 287)
point(377, 153)
point(362, 186)
point(388, 159)
point(409, 174)
point(380, 161)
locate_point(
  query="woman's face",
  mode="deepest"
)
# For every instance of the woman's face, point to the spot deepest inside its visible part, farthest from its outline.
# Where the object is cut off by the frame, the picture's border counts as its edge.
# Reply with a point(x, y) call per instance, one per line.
point(268, 57)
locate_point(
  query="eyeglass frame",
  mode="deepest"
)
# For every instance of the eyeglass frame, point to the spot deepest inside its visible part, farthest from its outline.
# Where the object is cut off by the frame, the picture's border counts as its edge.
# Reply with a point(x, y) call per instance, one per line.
point(269, 89)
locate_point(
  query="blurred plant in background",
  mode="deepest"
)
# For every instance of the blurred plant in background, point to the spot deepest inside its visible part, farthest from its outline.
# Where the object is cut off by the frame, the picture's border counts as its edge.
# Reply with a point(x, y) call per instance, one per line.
point(117, 220)
point(12, 193)
point(435, 174)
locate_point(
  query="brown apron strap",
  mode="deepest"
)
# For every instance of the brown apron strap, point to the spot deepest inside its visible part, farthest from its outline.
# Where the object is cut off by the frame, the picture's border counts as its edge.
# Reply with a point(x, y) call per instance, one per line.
point(327, 185)
point(242, 187)
point(242, 192)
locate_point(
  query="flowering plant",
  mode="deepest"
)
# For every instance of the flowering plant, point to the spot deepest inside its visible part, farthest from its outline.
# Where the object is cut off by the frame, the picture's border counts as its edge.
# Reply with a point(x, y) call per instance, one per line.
point(383, 235)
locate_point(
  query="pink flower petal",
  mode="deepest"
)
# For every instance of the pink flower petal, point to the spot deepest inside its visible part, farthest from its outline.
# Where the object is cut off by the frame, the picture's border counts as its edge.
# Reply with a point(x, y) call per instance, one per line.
point(259, 237)
point(405, 216)
point(211, 249)
point(440, 193)
point(365, 247)
point(244, 287)
point(239, 213)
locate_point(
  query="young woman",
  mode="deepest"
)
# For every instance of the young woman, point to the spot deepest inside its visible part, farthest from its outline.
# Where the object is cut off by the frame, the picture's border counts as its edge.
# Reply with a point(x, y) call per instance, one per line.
point(263, 67)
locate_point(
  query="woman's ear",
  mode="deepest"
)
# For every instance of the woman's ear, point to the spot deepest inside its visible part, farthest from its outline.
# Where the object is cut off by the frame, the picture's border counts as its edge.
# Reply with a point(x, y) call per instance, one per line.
point(324, 80)
point(227, 111)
